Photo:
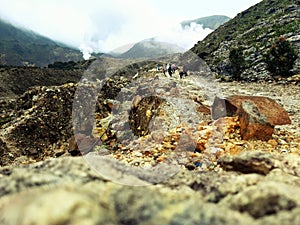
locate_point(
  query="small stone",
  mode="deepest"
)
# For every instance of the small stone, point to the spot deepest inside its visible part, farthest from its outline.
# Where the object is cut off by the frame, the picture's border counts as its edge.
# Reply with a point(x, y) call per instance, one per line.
point(273, 142)
point(283, 151)
point(160, 159)
point(201, 146)
point(190, 166)
point(148, 113)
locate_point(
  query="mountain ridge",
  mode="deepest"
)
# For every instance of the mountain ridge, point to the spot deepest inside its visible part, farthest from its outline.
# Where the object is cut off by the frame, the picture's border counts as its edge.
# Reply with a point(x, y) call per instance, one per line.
point(150, 48)
point(211, 22)
point(22, 47)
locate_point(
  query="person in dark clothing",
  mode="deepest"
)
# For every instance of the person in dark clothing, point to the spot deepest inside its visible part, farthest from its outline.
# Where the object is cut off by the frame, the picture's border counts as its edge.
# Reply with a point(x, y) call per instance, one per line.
point(182, 72)
point(170, 70)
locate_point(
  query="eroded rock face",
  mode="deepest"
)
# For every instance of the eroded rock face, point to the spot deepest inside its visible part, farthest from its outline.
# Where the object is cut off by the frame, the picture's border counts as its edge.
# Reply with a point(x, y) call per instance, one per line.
point(257, 115)
point(141, 114)
point(43, 118)
point(5, 157)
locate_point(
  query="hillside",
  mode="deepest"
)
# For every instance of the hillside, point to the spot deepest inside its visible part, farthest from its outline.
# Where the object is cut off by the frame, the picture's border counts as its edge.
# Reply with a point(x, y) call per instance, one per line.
point(17, 80)
point(252, 30)
point(211, 22)
point(150, 48)
point(23, 47)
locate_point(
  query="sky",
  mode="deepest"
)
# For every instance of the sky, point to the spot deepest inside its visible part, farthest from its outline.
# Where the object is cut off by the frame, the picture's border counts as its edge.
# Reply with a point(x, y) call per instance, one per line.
point(104, 25)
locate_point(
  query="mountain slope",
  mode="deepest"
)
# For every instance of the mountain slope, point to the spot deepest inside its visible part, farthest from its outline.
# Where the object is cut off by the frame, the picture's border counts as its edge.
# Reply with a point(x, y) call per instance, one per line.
point(252, 30)
point(22, 47)
point(211, 22)
point(150, 48)
point(17, 80)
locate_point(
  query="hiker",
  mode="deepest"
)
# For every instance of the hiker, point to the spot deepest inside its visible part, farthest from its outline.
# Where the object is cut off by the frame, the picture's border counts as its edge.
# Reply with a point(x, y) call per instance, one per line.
point(164, 69)
point(182, 72)
point(173, 67)
point(168, 65)
point(170, 70)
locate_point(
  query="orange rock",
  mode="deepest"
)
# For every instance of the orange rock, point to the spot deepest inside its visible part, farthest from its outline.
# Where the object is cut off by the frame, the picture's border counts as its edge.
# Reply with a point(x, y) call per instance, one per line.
point(274, 113)
point(253, 124)
point(200, 147)
point(226, 124)
point(257, 115)
point(273, 142)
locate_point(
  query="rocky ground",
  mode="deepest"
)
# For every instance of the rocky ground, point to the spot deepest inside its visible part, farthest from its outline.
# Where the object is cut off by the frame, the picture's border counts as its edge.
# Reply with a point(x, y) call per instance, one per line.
point(177, 135)
point(184, 169)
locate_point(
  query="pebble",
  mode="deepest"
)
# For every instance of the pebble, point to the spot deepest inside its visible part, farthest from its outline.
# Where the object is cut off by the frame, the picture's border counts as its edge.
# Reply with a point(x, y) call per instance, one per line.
point(273, 142)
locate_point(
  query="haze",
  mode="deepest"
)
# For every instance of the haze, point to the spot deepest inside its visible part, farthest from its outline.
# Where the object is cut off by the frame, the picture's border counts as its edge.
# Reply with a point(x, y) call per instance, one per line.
point(101, 26)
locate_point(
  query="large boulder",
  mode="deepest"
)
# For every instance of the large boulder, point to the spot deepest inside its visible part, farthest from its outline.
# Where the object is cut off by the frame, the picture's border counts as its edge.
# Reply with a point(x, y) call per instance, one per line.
point(257, 115)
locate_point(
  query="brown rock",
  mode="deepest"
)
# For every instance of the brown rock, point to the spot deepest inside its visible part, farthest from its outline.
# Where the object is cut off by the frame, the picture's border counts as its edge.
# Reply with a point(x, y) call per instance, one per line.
point(202, 108)
point(81, 144)
point(274, 113)
point(248, 162)
point(141, 114)
point(257, 115)
point(253, 124)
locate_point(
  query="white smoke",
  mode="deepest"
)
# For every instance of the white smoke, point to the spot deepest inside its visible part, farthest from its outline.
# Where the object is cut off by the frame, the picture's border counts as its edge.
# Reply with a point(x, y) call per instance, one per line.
point(168, 31)
point(112, 27)
point(101, 26)
point(184, 37)
point(86, 51)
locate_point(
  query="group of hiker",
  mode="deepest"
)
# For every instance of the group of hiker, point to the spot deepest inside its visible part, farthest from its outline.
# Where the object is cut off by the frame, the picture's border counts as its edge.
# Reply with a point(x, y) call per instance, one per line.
point(171, 69)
